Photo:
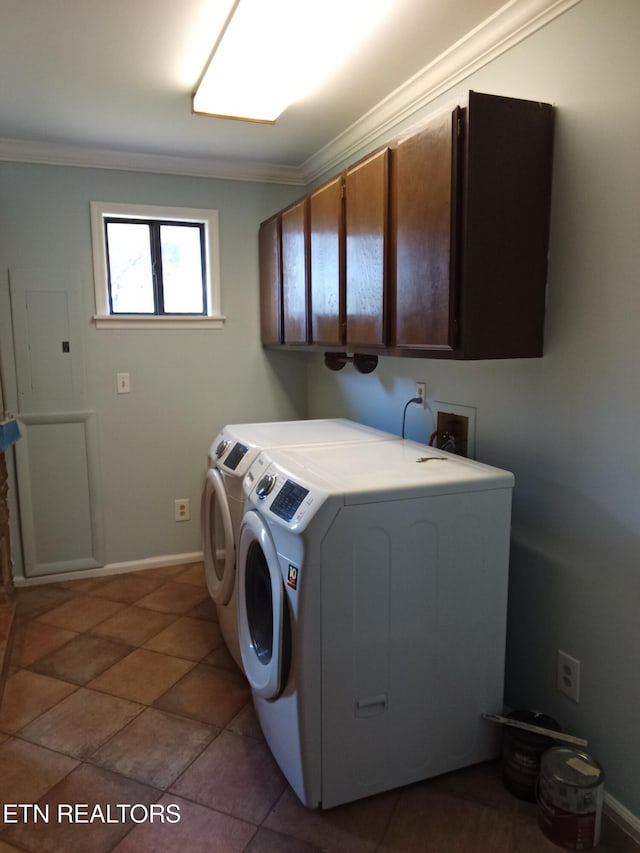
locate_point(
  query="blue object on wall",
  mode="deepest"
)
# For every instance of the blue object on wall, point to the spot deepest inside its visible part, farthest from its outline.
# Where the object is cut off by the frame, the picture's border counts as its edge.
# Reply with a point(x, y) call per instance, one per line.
point(9, 433)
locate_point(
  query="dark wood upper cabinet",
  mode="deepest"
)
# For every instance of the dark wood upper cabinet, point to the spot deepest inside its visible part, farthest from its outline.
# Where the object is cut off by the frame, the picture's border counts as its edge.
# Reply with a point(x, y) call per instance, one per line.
point(366, 228)
point(470, 212)
point(270, 258)
point(506, 170)
point(327, 267)
point(423, 214)
point(444, 247)
point(295, 273)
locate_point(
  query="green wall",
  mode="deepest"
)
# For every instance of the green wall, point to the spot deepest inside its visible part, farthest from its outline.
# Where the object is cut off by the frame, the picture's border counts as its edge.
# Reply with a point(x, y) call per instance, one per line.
point(185, 384)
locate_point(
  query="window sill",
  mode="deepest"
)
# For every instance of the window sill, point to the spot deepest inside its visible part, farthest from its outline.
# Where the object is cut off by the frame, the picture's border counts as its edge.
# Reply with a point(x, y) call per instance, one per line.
point(132, 321)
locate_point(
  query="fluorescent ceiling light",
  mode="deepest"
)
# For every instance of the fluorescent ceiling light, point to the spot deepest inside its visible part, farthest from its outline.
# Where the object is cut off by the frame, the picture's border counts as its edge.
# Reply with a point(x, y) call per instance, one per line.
point(271, 53)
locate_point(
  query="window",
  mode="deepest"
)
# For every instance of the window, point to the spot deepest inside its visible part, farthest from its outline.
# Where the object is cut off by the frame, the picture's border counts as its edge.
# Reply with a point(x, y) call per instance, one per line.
point(155, 266)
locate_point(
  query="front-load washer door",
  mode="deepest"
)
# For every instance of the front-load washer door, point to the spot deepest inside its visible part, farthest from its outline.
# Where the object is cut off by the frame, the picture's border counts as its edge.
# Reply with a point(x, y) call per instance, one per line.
point(217, 533)
point(262, 610)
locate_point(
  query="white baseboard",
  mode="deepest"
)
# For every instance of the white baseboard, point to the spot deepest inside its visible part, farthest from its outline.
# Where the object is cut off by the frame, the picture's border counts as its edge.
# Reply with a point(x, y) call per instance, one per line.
point(622, 817)
point(114, 569)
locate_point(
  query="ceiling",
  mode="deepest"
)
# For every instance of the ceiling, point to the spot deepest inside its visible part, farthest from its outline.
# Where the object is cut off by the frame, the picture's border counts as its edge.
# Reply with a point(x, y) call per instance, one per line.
point(113, 80)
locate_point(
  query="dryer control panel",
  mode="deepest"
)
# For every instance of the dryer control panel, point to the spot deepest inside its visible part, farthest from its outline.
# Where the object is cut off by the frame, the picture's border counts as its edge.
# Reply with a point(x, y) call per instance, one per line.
point(288, 500)
point(234, 457)
point(282, 495)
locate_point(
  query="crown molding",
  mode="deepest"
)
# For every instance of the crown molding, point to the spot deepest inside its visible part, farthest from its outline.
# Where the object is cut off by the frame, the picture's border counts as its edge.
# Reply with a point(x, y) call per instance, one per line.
point(55, 154)
point(514, 22)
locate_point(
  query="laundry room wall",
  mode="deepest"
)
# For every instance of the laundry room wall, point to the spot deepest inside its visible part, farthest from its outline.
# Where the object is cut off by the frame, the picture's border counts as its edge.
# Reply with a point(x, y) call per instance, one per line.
point(185, 384)
point(565, 424)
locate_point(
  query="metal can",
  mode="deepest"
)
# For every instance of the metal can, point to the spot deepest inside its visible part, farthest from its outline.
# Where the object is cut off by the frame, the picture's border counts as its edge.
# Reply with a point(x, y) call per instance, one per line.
point(521, 753)
point(570, 796)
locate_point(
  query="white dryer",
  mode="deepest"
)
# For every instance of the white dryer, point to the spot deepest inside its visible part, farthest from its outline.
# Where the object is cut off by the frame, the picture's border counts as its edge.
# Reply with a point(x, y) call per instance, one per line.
point(235, 449)
point(372, 603)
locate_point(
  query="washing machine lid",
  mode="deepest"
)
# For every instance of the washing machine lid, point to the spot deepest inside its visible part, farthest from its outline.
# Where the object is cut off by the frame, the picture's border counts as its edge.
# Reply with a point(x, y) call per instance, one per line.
point(237, 445)
point(303, 478)
point(218, 538)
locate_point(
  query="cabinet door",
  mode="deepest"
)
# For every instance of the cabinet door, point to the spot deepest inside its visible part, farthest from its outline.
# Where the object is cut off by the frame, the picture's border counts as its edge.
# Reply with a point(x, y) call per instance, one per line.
point(422, 237)
point(366, 222)
point(326, 228)
point(270, 282)
point(295, 295)
point(505, 239)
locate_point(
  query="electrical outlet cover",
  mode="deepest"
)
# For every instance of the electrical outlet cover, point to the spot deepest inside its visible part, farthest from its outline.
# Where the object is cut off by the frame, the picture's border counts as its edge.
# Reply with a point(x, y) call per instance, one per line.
point(568, 676)
point(182, 510)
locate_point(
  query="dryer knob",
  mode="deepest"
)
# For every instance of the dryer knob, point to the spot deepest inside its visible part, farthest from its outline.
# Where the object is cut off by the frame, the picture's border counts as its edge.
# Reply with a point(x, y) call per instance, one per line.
point(220, 449)
point(265, 485)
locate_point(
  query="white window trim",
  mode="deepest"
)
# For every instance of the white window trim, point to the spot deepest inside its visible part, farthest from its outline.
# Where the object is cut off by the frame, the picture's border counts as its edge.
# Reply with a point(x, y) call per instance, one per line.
point(213, 319)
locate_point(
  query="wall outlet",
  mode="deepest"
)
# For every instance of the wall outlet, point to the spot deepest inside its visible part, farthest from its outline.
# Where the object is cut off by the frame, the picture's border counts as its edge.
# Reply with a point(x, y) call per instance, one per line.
point(421, 391)
point(182, 510)
point(568, 676)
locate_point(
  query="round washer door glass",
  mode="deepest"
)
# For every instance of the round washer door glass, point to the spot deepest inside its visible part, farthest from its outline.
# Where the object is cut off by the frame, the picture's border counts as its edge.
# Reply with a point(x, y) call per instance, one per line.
point(261, 607)
point(217, 533)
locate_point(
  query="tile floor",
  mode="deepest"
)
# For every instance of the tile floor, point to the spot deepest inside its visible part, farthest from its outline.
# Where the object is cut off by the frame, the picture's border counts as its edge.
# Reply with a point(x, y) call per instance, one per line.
point(121, 692)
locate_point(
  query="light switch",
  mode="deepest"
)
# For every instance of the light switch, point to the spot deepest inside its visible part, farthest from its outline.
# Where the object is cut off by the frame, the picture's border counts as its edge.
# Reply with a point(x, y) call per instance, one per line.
point(123, 383)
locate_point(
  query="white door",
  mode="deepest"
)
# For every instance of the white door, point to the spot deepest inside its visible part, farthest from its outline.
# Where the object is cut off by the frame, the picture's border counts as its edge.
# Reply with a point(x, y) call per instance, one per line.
point(57, 465)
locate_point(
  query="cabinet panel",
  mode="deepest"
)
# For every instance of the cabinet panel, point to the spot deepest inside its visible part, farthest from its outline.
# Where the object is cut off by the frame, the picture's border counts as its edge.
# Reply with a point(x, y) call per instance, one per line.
point(270, 282)
point(505, 232)
point(326, 228)
point(295, 296)
point(366, 221)
point(422, 237)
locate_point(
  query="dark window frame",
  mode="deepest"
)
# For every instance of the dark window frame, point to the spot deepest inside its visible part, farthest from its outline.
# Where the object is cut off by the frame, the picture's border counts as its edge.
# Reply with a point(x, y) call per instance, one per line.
point(155, 249)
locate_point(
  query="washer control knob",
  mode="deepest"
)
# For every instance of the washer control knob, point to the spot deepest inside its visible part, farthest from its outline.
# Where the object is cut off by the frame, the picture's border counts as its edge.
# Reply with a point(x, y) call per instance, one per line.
point(220, 449)
point(265, 485)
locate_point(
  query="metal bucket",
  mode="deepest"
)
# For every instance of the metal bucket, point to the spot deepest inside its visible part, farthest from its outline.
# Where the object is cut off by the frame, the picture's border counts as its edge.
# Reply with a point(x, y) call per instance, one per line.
point(521, 753)
point(570, 795)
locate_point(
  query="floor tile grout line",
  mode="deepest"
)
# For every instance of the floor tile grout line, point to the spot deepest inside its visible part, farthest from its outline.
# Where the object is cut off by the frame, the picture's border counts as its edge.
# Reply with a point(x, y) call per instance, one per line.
point(55, 705)
point(143, 706)
point(396, 807)
point(88, 594)
point(88, 759)
point(133, 647)
point(190, 799)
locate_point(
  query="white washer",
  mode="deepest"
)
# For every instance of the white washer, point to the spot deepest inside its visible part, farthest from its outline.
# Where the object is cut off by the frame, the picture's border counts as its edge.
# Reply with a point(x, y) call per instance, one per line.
point(372, 602)
point(235, 449)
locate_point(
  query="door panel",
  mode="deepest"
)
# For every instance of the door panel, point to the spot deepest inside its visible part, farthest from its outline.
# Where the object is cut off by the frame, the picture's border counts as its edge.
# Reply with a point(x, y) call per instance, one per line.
point(57, 464)
point(422, 209)
point(366, 208)
point(270, 282)
point(48, 344)
point(59, 493)
point(326, 217)
point(295, 296)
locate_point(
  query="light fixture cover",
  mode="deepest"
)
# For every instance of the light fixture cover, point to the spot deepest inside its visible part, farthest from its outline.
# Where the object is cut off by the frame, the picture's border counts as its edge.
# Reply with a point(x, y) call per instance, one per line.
point(271, 53)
